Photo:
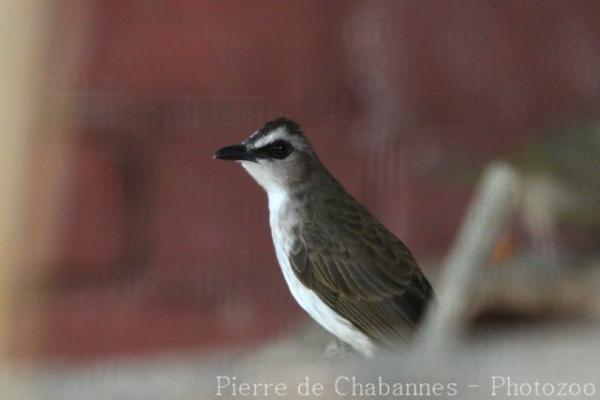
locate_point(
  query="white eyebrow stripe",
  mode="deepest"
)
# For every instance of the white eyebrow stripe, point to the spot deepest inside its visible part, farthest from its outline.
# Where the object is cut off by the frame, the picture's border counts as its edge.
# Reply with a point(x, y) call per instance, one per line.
point(279, 133)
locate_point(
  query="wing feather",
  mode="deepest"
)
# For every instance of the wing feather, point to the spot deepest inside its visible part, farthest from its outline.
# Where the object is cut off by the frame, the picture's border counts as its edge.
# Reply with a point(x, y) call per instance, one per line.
point(361, 270)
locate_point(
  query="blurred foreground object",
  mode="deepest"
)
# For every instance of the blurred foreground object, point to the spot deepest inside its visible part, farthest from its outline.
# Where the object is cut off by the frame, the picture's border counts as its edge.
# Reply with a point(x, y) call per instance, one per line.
point(20, 76)
point(20, 79)
point(555, 188)
point(32, 168)
point(485, 222)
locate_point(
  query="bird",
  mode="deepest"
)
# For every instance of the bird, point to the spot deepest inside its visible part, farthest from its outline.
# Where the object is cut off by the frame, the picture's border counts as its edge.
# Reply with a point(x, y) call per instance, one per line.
point(342, 266)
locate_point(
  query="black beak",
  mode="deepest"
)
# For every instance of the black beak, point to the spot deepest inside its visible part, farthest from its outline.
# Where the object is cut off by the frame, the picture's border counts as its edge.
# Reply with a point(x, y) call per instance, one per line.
point(236, 152)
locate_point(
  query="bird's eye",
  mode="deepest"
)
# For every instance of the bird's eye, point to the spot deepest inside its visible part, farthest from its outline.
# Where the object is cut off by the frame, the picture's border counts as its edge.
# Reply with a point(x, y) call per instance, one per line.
point(280, 149)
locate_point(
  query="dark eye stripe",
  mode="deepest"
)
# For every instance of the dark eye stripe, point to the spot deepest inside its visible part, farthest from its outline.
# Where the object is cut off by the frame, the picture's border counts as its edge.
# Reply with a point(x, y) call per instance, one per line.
point(279, 150)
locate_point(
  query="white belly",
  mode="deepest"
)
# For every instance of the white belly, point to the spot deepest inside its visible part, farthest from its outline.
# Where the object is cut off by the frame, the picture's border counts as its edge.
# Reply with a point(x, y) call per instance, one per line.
point(308, 300)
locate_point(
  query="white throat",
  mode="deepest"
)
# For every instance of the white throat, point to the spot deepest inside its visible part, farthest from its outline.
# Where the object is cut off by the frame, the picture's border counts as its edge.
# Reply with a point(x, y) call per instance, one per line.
point(262, 177)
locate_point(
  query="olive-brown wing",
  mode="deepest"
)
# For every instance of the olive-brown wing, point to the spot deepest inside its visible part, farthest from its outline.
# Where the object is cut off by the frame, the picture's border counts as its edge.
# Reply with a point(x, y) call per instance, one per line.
point(362, 271)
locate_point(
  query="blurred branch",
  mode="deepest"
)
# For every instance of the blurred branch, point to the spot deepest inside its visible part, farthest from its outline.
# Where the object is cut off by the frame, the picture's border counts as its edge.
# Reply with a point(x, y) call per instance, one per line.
point(493, 204)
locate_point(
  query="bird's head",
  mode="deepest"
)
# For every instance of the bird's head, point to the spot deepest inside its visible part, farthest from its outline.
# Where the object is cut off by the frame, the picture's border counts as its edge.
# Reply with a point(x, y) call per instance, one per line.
point(278, 156)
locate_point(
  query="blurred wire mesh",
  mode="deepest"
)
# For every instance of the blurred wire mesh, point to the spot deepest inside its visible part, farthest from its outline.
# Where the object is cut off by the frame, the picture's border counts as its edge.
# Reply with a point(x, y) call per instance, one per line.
point(134, 246)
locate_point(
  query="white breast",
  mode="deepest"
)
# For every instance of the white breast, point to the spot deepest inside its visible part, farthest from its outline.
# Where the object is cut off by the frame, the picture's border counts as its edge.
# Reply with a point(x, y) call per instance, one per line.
point(282, 220)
